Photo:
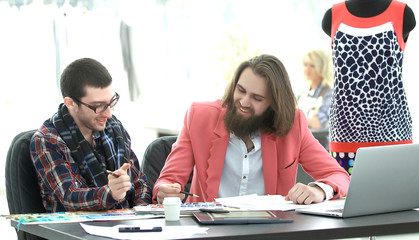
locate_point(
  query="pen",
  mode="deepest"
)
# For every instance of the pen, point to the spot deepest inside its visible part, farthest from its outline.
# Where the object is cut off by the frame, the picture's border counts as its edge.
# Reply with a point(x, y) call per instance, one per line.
point(138, 229)
point(189, 194)
point(112, 173)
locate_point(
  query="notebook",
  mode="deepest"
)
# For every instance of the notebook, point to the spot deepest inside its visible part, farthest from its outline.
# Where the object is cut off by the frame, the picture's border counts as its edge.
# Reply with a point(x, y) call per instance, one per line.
point(384, 179)
point(242, 217)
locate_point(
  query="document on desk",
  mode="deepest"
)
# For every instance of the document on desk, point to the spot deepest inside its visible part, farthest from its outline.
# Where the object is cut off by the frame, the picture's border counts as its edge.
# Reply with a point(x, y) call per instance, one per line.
point(256, 202)
point(168, 232)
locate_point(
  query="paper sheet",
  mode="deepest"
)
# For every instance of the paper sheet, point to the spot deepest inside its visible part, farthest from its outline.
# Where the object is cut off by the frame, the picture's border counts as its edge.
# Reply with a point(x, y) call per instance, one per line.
point(169, 232)
point(331, 204)
point(256, 202)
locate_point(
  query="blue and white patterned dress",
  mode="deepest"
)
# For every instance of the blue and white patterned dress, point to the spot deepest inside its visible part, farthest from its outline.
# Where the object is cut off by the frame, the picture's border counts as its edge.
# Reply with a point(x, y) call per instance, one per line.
point(369, 105)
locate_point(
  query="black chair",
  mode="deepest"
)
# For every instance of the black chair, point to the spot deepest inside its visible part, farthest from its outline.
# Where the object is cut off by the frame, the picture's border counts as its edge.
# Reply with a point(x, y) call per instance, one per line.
point(302, 176)
point(155, 157)
point(322, 135)
point(22, 190)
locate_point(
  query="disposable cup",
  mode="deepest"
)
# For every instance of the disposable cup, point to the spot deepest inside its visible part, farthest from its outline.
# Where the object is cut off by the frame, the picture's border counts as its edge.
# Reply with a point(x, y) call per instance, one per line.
point(171, 208)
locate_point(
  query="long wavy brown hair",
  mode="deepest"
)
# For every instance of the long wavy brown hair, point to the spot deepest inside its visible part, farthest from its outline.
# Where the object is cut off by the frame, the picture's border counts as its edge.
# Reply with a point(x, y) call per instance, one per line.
point(283, 102)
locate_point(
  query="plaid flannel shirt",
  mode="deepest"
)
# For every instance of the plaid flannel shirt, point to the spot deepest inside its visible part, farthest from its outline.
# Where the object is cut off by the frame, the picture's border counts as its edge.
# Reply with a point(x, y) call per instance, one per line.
point(62, 186)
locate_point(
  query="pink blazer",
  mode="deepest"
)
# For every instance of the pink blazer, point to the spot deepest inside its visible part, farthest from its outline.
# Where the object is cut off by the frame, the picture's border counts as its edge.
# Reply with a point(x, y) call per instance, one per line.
point(202, 144)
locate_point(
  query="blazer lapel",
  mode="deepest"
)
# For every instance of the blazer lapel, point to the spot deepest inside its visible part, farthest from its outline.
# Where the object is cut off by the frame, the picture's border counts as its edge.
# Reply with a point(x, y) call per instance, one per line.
point(216, 158)
point(270, 163)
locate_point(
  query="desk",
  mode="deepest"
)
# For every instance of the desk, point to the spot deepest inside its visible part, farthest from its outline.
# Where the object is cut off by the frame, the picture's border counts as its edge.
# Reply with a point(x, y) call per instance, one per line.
point(303, 227)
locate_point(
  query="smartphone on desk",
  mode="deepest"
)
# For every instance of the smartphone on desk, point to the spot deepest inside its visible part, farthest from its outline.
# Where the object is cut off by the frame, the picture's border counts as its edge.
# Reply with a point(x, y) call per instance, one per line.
point(138, 229)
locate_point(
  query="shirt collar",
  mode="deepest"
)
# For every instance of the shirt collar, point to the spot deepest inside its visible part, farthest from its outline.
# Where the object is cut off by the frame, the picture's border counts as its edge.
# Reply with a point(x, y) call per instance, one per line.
point(255, 137)
point(96, 135)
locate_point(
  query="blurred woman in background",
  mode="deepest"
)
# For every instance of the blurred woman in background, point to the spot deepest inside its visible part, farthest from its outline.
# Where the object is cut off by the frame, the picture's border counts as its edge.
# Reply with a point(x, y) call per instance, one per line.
point(315, 98)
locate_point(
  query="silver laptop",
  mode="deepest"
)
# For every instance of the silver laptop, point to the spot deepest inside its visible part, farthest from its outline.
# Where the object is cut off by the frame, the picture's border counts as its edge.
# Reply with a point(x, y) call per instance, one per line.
point(384, 179)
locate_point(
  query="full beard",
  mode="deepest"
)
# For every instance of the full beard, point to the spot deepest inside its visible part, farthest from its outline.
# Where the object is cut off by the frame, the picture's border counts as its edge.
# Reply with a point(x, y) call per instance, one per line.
point(244, 127)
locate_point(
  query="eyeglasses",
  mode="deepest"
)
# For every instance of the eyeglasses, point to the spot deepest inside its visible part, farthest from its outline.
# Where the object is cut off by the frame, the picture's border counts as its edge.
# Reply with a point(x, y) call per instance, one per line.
point(103, 107)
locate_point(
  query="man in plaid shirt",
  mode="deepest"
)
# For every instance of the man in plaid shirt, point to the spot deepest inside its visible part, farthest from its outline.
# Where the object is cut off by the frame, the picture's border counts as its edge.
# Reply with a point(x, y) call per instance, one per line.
point(83, 154)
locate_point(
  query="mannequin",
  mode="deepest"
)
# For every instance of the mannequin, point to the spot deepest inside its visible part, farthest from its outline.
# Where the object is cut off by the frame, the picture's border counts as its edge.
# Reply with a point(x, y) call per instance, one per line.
point(369, 105)
point(371, 8)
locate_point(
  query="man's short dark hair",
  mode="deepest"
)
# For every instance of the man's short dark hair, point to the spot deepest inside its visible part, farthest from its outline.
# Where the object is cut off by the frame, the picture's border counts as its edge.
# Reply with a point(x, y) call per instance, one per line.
point(81, 73)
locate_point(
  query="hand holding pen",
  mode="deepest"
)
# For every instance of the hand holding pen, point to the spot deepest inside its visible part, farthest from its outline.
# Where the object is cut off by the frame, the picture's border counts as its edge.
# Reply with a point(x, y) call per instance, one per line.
point(172, 190)
point(189, 194)
point(119, 182)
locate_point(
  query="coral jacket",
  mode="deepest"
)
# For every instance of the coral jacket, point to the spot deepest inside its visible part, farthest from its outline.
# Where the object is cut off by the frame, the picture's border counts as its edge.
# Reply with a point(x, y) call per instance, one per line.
point(202, 144)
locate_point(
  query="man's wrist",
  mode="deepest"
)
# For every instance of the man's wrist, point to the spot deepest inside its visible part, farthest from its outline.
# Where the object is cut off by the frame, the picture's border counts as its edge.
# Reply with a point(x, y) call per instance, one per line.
point(327, 189)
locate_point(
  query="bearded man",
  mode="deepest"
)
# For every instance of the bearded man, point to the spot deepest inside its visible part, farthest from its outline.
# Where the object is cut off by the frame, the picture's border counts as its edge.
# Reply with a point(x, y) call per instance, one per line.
point(251, 141)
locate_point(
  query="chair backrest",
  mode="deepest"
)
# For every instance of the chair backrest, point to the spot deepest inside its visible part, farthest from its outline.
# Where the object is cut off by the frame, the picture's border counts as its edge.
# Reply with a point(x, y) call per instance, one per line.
point(322, 135)
point(155, 157)
point(22, 189)
point(302, 176)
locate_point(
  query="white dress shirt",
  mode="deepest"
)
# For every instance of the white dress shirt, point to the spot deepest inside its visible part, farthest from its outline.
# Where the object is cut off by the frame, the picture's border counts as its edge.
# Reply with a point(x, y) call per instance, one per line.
point(243, 171)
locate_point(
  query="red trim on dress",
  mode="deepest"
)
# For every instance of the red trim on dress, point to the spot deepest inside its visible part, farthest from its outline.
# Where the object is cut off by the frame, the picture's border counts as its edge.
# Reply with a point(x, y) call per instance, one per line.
point(394, 13)
point(352, 147)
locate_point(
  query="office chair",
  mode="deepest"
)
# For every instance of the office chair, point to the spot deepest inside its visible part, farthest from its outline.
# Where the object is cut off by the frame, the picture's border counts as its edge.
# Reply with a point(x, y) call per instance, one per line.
point(322, 135)
point(302, 176)
point(155, 157)
point(22, 190)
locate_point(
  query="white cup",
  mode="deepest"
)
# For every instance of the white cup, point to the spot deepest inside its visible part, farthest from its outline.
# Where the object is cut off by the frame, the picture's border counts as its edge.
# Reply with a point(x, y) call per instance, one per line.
point(171, 208)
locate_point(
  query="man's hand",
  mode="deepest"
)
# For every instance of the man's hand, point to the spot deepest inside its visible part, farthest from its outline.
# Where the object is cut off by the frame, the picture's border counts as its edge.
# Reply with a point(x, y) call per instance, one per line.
point(119, 182)
point(169, 190)
point(303, 194)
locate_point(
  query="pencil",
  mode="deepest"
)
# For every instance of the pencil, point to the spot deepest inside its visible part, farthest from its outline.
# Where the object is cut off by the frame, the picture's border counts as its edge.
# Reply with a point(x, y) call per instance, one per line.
point(112, 173)
point(189, 194)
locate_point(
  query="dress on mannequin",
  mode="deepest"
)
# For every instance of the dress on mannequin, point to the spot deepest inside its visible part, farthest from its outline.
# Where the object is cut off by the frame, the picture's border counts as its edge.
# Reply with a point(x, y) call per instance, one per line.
point(369, 105)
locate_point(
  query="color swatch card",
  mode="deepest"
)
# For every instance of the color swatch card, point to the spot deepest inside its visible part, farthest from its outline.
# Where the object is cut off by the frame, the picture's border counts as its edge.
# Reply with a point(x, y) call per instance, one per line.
point(185, 208)
point(82, 216)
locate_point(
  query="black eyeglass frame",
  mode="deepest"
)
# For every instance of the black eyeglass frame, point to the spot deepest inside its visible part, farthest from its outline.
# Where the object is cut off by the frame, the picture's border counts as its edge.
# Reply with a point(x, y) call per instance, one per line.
point(112, 103)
